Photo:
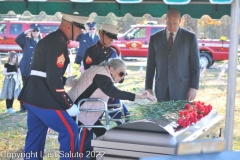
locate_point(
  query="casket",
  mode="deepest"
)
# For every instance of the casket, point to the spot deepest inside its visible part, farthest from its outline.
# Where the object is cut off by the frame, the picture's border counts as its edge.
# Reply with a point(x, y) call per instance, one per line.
point(144, 138)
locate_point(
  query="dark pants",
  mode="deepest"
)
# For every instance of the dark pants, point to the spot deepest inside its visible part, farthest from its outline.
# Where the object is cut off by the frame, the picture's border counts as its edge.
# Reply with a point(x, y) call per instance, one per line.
point(24, 80)
point(9, 103)
point(118, 115)
point(38, 122)
point(85, 140)
point(78, 60)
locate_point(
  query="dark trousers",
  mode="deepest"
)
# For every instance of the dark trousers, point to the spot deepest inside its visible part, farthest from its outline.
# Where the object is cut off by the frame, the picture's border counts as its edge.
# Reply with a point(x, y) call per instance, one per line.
point(119, 114)
point(78, 60)
point(24, 80)
point(9, 103)
point(85, 140)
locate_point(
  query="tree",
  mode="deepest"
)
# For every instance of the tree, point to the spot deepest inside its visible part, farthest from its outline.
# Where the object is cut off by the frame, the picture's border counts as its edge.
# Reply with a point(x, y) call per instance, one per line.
point(210, 27)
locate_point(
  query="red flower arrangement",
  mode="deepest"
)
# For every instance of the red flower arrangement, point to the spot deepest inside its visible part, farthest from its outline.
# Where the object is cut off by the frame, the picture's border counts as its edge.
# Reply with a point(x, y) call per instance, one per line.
point(193, 113)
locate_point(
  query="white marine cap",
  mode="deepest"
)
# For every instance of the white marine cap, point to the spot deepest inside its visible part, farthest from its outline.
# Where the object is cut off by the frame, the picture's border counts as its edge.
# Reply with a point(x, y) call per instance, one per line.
point(110, 30)
point(78, 21)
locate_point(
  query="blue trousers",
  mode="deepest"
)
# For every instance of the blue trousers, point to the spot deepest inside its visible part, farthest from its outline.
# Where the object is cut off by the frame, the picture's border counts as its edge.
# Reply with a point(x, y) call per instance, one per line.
point(118, 116)
point(85, 140)
point(38, 122)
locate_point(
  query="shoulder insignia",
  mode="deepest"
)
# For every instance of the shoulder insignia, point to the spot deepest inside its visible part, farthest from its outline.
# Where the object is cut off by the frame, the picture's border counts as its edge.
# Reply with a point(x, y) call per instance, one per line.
point(88, 60)
point(60, 61)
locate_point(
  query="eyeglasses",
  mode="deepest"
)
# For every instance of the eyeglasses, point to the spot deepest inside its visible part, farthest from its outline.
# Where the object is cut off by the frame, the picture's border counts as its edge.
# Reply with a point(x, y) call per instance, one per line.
point(122, 74)
point(91, 28)
point(35, 30)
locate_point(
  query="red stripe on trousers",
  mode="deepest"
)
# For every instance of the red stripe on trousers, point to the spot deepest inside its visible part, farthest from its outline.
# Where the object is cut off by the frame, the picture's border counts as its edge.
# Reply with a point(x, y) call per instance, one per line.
point(83, 140)
point(69, 130)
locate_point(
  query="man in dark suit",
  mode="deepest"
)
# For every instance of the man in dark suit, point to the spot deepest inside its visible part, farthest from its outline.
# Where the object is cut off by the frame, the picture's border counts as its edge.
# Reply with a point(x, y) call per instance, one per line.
point(173, 55)
point(86, 40)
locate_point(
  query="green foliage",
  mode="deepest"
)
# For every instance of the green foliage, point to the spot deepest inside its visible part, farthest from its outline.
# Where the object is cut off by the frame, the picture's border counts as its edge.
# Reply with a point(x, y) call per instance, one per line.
point(158, 111)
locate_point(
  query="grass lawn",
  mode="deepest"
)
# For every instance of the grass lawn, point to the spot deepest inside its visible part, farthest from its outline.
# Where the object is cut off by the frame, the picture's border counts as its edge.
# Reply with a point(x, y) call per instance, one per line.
point(13, 128)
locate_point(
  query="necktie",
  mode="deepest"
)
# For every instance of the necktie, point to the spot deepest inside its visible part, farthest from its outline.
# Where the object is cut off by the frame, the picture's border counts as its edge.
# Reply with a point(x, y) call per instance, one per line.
point(170, 41)
point(91, 37)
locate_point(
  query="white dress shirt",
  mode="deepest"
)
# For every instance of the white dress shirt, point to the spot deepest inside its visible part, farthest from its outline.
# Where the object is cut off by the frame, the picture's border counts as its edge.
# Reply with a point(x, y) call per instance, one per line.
point(174, 34)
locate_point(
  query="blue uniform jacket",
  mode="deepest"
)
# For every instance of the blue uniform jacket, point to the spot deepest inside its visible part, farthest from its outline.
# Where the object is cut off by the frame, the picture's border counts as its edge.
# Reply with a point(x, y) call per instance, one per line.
point(85, 41)
point(50, 57)
point(28, 45)
point(97, 54)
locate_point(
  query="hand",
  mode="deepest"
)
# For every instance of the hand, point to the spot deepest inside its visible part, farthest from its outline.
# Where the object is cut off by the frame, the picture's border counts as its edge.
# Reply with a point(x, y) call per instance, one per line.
point(150, 91)
point(192, 93)
point(146, 95)
point(27, 31)
point(73, 111)
point(150, 96)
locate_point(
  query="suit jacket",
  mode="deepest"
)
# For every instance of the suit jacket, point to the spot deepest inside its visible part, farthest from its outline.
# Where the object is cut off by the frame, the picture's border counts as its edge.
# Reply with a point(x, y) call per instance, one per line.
point(177, 68)
point(28, 45)
point(85, 41)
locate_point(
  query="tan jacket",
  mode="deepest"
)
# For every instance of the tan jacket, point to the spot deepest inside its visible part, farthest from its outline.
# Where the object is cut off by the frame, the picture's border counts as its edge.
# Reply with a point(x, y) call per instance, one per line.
point(89, 118)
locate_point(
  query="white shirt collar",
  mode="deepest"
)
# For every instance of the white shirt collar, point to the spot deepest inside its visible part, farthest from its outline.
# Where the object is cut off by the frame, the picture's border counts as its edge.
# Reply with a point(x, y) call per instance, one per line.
point(174, 34)
point(91, 35)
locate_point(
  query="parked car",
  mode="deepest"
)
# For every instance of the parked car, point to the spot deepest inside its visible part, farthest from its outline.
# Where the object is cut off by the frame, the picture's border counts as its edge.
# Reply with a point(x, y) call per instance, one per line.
point(10, 30)
point(133, 44)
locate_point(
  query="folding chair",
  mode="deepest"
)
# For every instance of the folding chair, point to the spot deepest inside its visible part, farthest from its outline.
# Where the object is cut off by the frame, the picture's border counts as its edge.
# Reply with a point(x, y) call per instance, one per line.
point(105, 110)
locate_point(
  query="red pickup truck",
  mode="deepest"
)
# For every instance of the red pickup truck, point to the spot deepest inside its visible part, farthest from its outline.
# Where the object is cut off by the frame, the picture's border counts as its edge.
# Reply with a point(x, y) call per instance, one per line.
point(10, 30)
point(134, 44)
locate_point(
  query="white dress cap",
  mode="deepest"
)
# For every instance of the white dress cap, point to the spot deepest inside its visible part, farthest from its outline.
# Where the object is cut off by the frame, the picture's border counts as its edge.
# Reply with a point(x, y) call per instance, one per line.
point(110, 30)
point(79, 21)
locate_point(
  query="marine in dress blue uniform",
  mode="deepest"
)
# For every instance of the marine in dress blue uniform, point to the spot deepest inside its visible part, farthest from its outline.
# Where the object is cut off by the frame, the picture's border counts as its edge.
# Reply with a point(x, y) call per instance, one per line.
point(28, 45)
point(86, 40)
point(95, 55)
point(44, 95)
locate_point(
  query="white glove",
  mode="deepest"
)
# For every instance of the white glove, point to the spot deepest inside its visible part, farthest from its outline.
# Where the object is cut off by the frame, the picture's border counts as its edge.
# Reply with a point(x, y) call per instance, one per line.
point(73, 111)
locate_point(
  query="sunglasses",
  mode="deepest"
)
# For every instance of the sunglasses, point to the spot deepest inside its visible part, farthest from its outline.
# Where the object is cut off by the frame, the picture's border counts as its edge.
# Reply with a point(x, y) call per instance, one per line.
point(91, 28)
point(35, 30)
point(122, 74)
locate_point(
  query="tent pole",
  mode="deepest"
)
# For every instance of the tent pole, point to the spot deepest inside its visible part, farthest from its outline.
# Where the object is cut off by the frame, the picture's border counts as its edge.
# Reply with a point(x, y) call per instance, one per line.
point(232, 73)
